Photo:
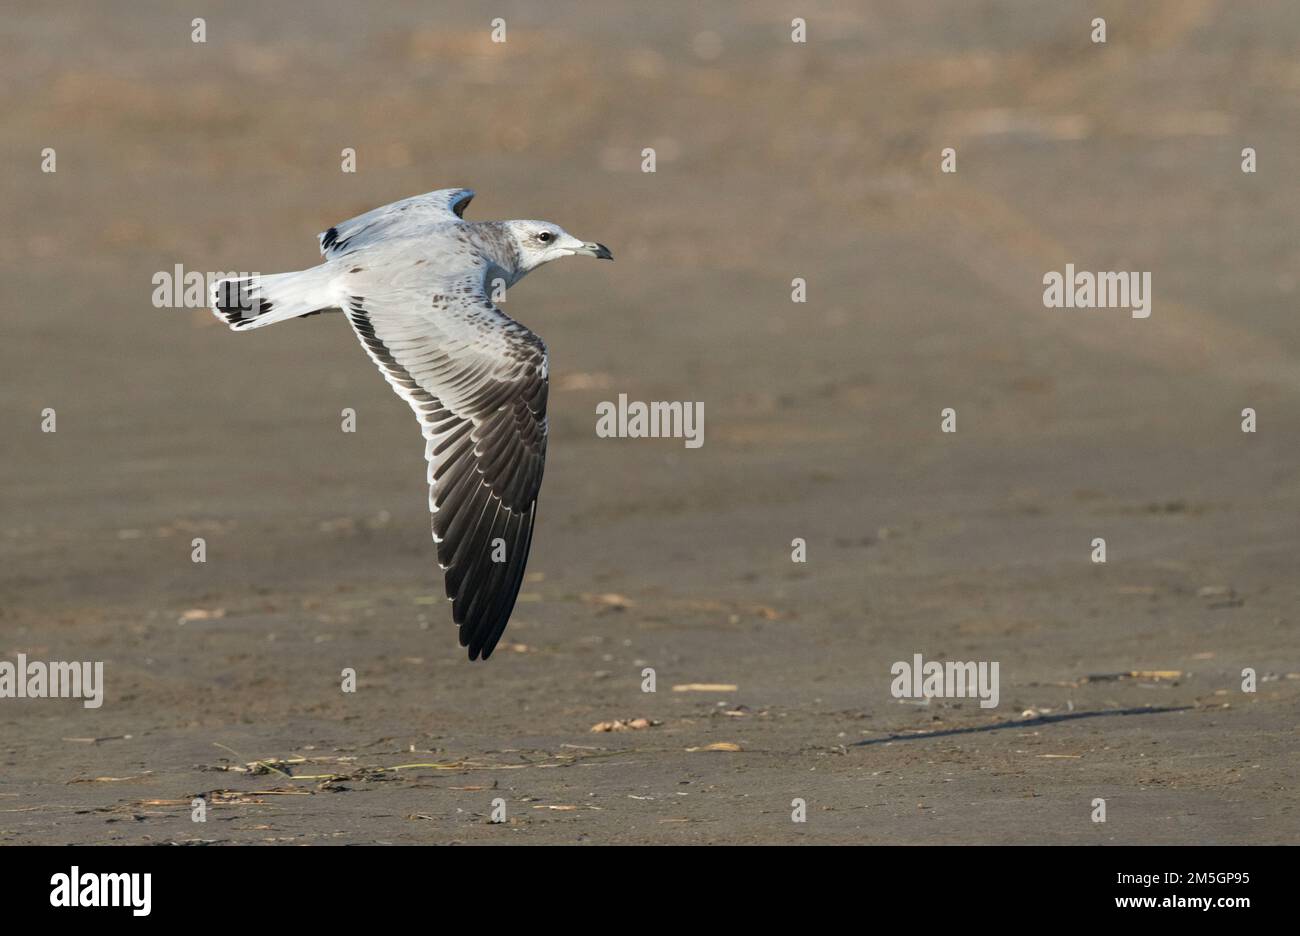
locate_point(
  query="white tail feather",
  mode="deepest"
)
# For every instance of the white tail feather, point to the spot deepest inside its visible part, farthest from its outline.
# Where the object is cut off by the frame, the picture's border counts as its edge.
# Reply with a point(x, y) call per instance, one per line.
point(254, 301)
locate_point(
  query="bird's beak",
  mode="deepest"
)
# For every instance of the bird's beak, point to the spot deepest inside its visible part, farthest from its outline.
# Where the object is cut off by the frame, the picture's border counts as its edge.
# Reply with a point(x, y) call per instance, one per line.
point(592, 249)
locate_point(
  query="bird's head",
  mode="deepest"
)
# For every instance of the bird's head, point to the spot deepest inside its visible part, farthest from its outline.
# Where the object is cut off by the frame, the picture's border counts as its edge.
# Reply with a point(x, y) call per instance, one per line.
point(541, 242)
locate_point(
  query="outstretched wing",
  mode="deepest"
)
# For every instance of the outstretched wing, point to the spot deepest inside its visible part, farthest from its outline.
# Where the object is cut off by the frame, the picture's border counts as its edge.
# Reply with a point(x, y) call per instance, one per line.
point(401, 217)
point(477, 381)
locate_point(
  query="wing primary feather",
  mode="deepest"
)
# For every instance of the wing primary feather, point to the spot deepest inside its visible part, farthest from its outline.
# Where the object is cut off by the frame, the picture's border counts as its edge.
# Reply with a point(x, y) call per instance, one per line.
point(510, 593)
point(502, 576)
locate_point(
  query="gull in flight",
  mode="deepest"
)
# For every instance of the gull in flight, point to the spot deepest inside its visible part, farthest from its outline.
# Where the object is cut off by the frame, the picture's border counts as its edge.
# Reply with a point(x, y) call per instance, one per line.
point(414, 278)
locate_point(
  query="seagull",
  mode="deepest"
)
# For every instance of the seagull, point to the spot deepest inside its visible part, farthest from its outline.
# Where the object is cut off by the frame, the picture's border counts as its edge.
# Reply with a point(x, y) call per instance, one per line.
point(416, 280)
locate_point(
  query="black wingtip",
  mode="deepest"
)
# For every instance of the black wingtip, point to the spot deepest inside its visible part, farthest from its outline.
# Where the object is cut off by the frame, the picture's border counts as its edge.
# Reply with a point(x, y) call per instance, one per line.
point(474, 649)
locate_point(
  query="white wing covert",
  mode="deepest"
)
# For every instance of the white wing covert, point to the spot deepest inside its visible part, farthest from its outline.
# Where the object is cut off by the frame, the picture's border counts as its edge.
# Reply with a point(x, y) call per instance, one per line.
point(399, 219)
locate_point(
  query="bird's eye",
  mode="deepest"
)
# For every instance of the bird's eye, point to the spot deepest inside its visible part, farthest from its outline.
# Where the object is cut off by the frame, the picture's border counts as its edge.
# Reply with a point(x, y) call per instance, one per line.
point(545, 237)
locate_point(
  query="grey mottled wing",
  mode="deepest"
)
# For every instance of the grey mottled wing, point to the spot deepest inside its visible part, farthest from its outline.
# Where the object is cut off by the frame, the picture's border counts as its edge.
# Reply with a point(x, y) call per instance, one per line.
point(477, 381)
point(399, 219)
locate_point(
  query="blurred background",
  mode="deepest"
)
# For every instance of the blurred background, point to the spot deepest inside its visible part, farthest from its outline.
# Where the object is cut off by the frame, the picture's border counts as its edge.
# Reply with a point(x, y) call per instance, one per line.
point(775, 160)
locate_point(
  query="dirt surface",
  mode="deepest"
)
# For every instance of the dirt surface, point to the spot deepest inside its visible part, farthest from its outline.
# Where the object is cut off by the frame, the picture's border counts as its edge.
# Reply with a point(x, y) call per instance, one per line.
point(775, 160)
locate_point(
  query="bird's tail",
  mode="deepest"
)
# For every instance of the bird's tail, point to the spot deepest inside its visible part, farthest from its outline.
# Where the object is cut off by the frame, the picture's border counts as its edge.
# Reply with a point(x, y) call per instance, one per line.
point(253, 301)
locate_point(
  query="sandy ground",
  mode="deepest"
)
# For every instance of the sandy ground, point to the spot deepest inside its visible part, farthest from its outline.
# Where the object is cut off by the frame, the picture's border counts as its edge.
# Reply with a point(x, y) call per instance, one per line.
point(775, 161)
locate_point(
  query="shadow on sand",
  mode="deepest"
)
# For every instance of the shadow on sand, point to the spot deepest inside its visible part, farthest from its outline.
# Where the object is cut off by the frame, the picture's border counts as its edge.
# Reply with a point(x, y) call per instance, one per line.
point(1025, 723)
